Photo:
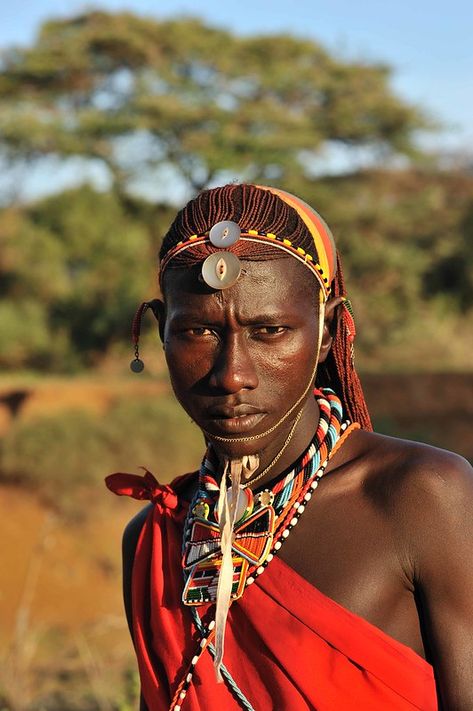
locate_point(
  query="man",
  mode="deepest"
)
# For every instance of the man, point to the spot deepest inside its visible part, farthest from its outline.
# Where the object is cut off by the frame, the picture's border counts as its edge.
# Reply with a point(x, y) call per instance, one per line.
point(361, 597)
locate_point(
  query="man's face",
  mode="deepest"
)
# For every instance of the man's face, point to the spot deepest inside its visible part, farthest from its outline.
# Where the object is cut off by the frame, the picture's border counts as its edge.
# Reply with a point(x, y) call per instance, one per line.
point(240, 358)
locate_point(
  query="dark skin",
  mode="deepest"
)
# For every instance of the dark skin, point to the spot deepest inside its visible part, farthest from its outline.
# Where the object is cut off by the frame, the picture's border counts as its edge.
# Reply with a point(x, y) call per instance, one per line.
point(389, 534)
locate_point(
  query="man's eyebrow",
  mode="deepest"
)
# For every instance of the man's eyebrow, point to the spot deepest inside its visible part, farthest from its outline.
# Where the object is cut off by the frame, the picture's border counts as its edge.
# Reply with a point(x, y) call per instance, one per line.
point(185, 316)
point(186, 313)
point(269, 317)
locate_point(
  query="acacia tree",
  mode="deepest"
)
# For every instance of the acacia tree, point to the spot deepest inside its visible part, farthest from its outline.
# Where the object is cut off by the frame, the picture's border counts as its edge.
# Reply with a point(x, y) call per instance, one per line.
point(138, 94)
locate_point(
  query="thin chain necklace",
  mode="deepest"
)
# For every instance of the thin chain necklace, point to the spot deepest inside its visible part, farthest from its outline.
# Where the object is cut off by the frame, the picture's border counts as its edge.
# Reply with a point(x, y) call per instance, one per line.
point(260, 531)
point(278, 455)
point(259, 515)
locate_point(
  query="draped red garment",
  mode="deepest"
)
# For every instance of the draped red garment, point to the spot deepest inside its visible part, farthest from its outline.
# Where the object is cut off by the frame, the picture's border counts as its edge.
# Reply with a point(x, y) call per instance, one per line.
point(287, 646)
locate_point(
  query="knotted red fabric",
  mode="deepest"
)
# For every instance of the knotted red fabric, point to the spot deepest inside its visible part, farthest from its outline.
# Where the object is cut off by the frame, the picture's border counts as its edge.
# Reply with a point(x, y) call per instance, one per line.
point(287, 646)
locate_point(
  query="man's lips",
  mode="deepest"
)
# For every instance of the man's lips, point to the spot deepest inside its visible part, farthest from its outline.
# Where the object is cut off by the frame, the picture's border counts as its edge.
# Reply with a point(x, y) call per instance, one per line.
point(233, 419)
point(232, 411)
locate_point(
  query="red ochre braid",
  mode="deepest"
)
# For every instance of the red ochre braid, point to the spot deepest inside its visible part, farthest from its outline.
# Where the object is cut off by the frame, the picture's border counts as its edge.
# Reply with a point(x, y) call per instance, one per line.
point(344, 378)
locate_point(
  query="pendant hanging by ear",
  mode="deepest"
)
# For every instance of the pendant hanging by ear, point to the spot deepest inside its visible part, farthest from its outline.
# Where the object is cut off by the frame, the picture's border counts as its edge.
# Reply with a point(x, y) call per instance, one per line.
point(137, 365)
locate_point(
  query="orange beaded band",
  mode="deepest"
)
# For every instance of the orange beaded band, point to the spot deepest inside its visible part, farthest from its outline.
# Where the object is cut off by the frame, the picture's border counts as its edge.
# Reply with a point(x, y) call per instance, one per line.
point(255, 236)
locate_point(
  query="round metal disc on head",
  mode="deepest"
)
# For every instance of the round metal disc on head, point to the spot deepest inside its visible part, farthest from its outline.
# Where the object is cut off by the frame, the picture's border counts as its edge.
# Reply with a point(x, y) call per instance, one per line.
point(225, 233)
point(221, 270)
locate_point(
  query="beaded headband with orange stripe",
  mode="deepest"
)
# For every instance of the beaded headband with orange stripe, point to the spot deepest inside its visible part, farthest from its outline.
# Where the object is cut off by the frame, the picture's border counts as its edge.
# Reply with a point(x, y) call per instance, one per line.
point(255, 236)
point(317, 227)
point(220, 270)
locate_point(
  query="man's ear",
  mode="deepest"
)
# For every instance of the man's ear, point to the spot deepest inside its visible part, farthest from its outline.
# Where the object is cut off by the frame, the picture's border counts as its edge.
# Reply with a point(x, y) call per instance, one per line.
point(158, 308)
point(331, 315)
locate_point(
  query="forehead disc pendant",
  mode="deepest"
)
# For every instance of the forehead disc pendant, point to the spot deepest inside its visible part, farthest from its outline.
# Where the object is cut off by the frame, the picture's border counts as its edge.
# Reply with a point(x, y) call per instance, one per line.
point(224, 234)
point(221, 270)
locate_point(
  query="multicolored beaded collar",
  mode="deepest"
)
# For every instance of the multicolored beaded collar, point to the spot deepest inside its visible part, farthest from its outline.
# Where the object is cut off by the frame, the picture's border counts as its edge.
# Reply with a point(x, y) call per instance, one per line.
point(264, 521)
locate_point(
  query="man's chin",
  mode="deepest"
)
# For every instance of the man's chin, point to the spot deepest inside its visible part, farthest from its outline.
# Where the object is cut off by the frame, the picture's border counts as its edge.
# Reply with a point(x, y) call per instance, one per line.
point(236, 450)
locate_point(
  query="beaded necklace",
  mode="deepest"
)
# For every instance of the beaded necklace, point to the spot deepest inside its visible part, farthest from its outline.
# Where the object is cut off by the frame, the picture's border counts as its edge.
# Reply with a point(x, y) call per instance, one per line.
point(264, 521)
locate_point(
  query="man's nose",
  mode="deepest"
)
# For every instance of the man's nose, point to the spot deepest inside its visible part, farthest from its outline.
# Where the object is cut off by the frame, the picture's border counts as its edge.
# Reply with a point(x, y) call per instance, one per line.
point(234, 369)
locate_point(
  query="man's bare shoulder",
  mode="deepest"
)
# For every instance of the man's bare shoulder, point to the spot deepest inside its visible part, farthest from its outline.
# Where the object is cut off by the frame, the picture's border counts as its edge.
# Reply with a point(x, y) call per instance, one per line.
point(412, 479)
point(427, 494)
point(131, 535)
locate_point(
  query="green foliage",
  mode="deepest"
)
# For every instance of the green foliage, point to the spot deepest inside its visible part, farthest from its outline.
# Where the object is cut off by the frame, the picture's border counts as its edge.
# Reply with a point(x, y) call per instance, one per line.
point(53, 451)
point(25, 331)
point(190, 96)
point(142, 95)
point(68, 682)
point(59, 454)
point(75, 268)
point(405, 238)
point(70, 282)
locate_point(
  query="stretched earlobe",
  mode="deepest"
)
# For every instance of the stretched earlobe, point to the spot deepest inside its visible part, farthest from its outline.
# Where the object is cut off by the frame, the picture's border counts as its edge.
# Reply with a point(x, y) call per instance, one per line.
point(156, 305)
point(331, 310)
point(159, 310)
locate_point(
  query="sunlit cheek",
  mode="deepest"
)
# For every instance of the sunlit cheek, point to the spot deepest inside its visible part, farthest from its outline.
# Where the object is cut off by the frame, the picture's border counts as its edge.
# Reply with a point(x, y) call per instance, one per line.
point(296, 357)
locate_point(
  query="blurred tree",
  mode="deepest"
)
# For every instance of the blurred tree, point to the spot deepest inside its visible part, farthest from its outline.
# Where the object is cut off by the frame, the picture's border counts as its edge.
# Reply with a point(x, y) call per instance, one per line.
point(138, 94)
point(74, 268)
point(406, 238)
point(142, 96)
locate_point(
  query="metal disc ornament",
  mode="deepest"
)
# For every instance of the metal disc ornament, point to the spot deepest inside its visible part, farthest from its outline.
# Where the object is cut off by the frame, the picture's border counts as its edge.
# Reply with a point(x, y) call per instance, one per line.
point(137, 365)
point(224, 234)
point(221, 270)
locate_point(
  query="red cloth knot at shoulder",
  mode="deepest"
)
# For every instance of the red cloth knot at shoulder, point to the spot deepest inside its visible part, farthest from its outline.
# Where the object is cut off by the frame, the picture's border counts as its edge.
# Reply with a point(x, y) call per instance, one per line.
point(145, 488)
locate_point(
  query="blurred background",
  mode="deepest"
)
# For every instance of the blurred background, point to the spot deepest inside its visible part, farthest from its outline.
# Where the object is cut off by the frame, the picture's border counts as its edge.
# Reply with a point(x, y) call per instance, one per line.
point(111, 117)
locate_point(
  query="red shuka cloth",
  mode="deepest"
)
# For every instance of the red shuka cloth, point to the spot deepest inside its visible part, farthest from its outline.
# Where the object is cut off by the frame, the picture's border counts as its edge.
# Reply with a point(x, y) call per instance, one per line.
point(287, 646)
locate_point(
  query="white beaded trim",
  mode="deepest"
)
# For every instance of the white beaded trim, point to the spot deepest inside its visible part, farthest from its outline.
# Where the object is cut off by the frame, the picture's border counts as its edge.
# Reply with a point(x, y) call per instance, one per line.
point(298, 509)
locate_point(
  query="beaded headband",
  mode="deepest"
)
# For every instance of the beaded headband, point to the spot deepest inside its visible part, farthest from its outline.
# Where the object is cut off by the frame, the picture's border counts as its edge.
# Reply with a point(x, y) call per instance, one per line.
point(222, 269)
point(227, 264)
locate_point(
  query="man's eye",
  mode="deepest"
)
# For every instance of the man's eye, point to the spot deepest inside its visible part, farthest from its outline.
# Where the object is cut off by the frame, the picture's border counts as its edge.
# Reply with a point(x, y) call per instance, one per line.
point(270, 330)
point(200, 331)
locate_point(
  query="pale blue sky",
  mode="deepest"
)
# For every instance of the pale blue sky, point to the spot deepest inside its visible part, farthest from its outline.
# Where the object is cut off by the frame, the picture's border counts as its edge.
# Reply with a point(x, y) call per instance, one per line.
point(428, 43)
